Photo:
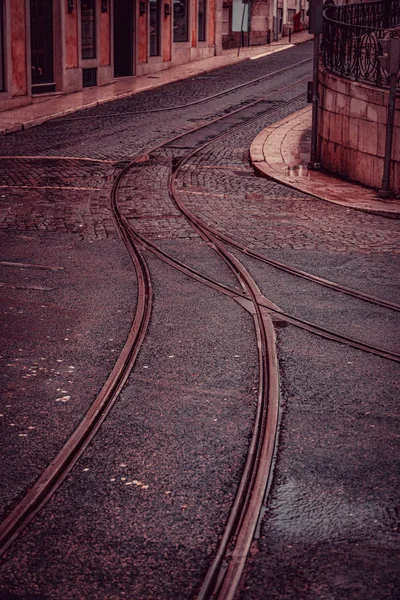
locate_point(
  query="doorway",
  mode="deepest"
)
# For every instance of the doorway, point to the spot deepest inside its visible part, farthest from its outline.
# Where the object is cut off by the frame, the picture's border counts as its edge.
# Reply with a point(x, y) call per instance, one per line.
point(42, 52)
point(123, 38)
point(155, 27)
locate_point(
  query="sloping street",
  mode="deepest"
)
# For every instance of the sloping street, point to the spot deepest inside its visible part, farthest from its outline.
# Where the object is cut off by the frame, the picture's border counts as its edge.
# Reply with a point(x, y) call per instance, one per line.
point(192, 352)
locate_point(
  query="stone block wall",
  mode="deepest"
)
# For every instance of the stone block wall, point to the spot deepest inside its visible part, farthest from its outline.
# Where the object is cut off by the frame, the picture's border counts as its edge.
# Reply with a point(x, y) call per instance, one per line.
point(352, 130)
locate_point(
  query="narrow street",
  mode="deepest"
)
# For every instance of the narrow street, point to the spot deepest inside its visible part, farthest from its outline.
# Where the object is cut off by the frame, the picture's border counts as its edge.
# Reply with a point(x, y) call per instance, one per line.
point(119, 223)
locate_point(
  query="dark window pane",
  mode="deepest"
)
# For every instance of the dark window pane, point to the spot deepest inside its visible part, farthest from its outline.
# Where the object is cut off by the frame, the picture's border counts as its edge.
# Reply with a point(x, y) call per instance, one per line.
point(181, 20)
point(41, 17)
point(202, 21)
point(155, 10)
point(225, 21)
point(88, 28)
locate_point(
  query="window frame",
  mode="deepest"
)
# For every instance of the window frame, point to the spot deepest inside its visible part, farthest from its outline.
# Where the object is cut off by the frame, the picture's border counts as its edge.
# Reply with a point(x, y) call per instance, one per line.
point(188, 5)
point(159, 4)
point(205, 15)
point(225, 13)
point(290, 15)
point(93, 46)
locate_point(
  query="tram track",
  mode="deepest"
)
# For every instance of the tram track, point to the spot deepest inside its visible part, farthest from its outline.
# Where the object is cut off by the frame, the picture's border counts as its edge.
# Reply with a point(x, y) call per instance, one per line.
point(226, 569)
point(243, 298)
point(224, 574)
point(60, 467)
point(53, 476)
point(185, 105)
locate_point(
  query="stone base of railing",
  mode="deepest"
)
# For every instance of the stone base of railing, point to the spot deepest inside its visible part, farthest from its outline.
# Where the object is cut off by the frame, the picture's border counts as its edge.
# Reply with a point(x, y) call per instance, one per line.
point(352, 130)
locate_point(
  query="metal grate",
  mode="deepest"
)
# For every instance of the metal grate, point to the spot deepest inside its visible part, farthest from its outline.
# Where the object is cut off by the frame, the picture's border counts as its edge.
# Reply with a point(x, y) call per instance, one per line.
point(89, 77)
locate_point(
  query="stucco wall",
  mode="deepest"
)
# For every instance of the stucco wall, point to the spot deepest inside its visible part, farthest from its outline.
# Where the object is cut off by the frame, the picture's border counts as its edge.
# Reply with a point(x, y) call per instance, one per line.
point(105, 38)
point(142, 22)
point(352, 130)
point(166, 35)
point(71, 38)
point(18, 47)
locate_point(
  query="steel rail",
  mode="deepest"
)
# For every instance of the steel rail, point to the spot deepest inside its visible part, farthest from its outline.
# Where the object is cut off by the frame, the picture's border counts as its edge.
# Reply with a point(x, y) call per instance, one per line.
point(225, 572)
point(60, 467)
point(187, 104)
point(226, 569)
point(319, 280)
point(332, 335)
point(277, 264)
point(53, 476)
point(242, 297)
point(140, 240)
point(303, 274)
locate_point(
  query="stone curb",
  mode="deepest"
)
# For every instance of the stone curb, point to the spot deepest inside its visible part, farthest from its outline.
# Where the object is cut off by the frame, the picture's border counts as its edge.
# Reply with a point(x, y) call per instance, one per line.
point(259, 161)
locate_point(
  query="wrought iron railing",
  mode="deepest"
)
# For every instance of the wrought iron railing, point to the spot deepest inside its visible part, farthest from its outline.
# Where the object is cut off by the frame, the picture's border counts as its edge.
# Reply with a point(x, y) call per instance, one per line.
point(351, 39)
point(377, 14)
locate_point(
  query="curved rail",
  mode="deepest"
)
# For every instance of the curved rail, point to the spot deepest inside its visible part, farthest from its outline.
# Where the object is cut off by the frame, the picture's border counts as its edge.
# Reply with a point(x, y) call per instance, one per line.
point(243, 298)
point(304, 274)
point(226, 569)
point(53, 476)
point(225, 572)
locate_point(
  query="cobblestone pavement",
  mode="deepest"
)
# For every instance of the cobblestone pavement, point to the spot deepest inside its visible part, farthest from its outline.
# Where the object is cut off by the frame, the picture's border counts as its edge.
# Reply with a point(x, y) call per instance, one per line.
point(143, 199)
point(112, 132)
point(268, 215)
point(110, 136)
point(56, 195)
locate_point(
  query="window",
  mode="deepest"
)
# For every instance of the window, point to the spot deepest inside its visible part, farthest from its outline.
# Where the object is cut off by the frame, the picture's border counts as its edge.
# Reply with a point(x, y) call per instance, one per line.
point(155, 16)
point(290, 15)
point(2, 61)
point(181, 19)
point(88, 28)
point(202, 20)
point(225, 21)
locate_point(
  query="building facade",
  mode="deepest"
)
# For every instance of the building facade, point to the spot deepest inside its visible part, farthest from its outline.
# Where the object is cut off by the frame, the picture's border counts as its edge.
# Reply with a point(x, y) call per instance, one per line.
point(256, 22)
point(62, 46)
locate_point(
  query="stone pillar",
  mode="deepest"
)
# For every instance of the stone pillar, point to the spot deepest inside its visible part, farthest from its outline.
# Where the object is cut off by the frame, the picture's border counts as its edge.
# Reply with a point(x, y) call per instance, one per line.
point(260, 22)
point(19, 47)
point(218, 28)
point(284, 10)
